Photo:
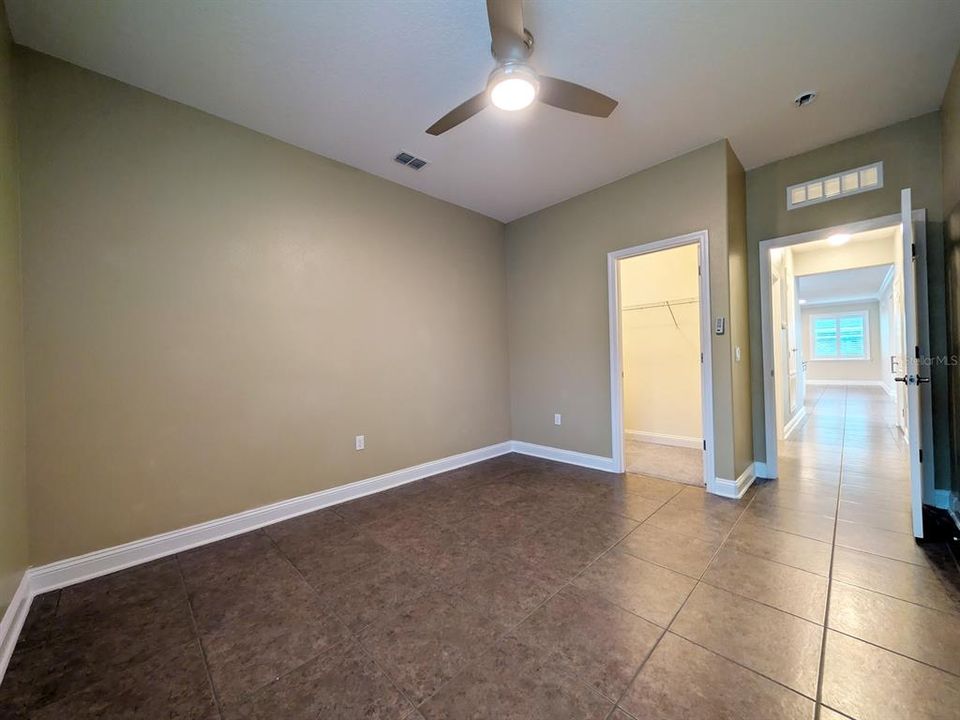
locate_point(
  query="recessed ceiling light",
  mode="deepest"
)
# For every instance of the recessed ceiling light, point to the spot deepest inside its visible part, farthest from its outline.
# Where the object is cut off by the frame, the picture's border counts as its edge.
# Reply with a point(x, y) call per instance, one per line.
point(838, 239)
point(513, 86)
point(805, 98)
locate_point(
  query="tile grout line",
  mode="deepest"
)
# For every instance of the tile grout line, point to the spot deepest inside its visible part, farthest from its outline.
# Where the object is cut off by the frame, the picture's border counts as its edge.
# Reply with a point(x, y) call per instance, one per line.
point(833, 550)
point(720, 545)
point(568, 583)
point(353, 636)
point(565, 585)
point(196, 633)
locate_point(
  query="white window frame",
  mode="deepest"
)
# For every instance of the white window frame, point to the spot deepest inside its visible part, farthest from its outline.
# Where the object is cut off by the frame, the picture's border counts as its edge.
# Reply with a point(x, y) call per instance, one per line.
point(836, 315)
point(820, 185)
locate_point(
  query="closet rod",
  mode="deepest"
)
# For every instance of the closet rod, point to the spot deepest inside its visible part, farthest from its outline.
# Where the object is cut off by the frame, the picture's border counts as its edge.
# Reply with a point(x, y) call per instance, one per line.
point(662, 303)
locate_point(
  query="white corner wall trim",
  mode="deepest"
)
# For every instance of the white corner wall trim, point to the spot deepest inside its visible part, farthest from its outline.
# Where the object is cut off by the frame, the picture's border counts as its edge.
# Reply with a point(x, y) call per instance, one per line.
point(84, 567)
point(12, 622)
point(736, 488)
point(664, 439)
point(596, 462)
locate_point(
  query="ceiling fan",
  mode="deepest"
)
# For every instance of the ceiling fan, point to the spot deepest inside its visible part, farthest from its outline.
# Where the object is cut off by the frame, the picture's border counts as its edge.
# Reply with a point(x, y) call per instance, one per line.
point(514, 85)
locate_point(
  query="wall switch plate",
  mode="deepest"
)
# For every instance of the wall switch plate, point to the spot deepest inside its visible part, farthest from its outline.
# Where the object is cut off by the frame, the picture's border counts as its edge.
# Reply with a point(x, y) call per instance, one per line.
point(557, 419)
point(360, 442)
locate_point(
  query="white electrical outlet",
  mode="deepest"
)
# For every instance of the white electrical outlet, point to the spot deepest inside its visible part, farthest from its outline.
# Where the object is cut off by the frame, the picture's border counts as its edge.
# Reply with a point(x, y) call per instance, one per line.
point(557, 419)
point(361, 441)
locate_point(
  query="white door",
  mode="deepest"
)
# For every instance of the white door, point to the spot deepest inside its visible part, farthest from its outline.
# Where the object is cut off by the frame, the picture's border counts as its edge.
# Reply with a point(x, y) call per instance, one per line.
point(913, 371)
point(801, 360)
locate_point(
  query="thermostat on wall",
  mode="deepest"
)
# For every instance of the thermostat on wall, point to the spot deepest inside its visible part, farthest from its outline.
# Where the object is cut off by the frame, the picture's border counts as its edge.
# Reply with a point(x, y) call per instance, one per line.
point(721, 323)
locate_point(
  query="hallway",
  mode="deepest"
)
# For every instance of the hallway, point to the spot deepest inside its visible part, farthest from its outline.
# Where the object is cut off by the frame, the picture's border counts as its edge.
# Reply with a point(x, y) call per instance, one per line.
point(892, 637)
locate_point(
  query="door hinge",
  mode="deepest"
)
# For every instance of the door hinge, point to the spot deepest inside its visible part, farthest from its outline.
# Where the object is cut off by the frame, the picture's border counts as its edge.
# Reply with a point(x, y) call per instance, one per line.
point(701, 357)
point(920, 453)
point(704, 444)
point(913, 250)
point(917, 351)
point(699, 270)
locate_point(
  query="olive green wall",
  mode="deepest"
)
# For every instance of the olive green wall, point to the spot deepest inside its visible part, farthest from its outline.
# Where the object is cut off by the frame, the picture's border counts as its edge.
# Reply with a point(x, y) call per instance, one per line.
point(910, 152)
point(739, 313)
point(13, 495)
point(213, 315)
point(557, 299)
point(950, 139)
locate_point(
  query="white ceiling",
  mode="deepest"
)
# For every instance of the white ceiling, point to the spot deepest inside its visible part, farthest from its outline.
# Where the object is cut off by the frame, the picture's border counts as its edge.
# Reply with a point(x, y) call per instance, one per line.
point(880, 237)
point(358, 80)
point(842, 285)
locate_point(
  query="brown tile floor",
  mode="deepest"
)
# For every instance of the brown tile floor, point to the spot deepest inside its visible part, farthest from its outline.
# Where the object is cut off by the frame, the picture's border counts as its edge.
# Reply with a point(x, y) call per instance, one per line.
point(519, 588)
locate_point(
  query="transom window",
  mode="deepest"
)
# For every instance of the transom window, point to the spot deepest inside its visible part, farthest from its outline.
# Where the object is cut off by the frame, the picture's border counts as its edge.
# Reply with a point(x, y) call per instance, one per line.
point(840, 336)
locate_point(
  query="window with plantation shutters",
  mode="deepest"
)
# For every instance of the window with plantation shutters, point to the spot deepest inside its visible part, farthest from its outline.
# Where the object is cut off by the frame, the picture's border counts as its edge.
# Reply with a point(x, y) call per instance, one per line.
point(840, 336)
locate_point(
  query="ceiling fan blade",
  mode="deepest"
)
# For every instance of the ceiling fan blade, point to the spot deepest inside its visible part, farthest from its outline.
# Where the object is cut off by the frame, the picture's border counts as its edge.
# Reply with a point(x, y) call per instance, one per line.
point(506, 29)
point(463, 111)
point(575, 98)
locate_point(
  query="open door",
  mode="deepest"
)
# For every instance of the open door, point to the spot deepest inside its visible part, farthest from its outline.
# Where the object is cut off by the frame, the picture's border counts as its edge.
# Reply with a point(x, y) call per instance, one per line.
point(913, 367)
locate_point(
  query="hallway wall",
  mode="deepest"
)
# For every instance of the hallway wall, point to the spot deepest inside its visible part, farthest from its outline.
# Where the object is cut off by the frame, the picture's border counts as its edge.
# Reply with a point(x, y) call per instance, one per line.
point(869, 370)
point(910, 151)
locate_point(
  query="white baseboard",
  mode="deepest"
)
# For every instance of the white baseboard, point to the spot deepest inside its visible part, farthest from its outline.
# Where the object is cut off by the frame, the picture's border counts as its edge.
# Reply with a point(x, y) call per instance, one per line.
point(84, 567)
point(12, 622)
point(103, 562)
point(664, 439)
point(736, 488)
point(851, 383)
point(794, 422)
point(596, 462)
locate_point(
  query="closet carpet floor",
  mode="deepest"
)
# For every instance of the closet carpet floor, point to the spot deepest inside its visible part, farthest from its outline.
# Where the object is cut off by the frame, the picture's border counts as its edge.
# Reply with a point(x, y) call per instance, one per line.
point(519, 588)
point(664, 461)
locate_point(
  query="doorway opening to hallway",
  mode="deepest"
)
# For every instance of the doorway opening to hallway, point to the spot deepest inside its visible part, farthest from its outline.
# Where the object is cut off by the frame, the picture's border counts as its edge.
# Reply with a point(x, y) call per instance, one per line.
point(847, 403)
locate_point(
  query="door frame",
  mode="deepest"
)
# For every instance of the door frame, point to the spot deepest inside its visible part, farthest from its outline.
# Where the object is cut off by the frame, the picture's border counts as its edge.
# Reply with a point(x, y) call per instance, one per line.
point(769, 401)
point(701, 239)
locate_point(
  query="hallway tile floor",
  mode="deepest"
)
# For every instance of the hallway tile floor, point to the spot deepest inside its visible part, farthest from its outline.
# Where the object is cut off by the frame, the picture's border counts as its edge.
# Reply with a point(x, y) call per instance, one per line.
point(520, 588)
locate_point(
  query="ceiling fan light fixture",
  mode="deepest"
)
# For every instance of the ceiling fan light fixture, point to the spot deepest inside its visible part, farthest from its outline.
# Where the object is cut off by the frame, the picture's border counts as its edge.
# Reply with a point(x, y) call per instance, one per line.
point(513, 86)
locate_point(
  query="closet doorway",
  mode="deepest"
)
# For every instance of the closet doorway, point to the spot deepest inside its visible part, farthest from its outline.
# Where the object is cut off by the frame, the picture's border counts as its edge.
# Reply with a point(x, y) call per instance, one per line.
point(661, 388)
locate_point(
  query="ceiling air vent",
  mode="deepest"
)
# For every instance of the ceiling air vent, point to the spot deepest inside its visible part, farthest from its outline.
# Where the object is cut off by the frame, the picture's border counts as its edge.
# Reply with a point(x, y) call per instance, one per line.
point(838, 185)
point(409, 160)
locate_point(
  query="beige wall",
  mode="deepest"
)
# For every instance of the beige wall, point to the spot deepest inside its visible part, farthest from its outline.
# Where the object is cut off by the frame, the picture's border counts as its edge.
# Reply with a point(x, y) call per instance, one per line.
point(212, 315)
point(950, 129)
point(869, 370)
point(742, 421)
point(661, 346)
point(557, 297)
point(846, 257)
point(13, 496)
point(910, 151)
